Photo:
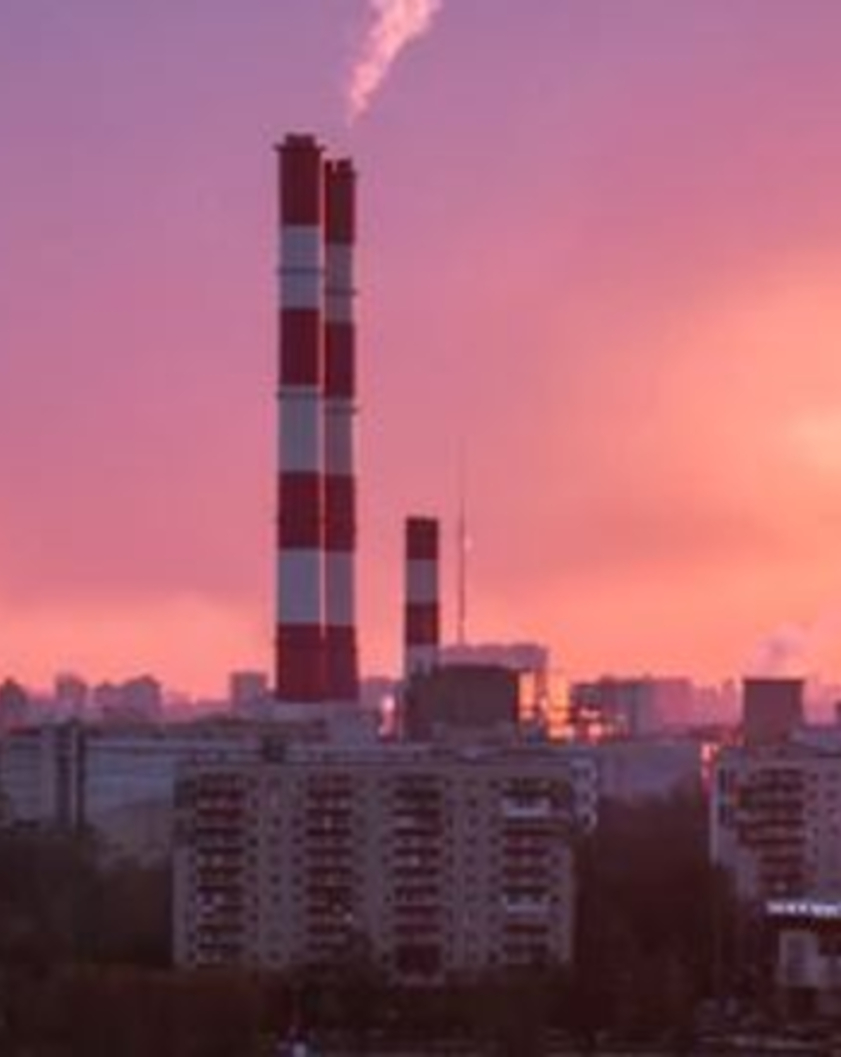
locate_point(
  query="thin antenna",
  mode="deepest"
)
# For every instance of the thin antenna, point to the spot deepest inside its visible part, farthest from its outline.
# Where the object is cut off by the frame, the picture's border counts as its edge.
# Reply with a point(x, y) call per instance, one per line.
point(461, 552)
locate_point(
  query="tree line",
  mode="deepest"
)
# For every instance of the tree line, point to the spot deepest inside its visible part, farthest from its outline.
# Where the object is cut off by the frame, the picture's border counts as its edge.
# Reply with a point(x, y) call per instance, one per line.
point(85, 959)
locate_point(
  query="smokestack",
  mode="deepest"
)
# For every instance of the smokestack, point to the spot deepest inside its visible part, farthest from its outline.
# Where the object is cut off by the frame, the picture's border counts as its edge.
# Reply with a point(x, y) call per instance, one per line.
point(299, 673)
point(422, 619)
point(341, 663)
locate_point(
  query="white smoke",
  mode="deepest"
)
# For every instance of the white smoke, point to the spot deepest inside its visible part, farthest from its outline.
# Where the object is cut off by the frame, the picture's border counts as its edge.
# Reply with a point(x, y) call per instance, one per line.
point(394, 24)
point(786, 651)
point(798, 650)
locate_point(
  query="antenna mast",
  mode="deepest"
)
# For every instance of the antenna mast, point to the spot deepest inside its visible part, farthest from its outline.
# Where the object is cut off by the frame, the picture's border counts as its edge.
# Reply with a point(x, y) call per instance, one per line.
point(461, 552)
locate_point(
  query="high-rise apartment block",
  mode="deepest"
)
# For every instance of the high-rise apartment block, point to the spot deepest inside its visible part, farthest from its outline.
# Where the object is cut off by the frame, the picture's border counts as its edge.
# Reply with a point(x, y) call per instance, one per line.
point(247, 691)
point(776, 821)
point(440, 863)
point(776, 800)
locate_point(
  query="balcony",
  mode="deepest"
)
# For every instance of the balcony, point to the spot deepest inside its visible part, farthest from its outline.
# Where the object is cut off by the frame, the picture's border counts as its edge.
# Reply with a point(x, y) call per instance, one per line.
point(526, 905)
point(527, 809)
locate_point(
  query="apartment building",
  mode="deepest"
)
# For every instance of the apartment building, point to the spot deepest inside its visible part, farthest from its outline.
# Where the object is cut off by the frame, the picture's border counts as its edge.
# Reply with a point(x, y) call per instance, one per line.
point(40, 775)
point(118, 780)
point(776, 820)
point(435, 862)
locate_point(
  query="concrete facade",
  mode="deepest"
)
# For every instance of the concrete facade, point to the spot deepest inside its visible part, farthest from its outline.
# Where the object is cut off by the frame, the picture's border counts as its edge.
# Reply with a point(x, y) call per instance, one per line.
point(776, 821)
point(439, 863)
point(117, 780)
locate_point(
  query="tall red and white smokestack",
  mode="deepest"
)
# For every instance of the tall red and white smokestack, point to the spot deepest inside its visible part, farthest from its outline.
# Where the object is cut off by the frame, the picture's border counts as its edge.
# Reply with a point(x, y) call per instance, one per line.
point(422, 616)
point(341, 662)
point(299, 672)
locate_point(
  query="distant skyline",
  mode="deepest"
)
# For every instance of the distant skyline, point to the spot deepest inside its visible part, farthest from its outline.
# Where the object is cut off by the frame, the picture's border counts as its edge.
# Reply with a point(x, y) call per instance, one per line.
point(600, 252)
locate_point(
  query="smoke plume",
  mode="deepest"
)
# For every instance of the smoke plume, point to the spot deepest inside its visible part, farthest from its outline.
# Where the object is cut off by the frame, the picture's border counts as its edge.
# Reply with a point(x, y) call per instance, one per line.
point(797, 650)
point(394, 24)
point(786, 651)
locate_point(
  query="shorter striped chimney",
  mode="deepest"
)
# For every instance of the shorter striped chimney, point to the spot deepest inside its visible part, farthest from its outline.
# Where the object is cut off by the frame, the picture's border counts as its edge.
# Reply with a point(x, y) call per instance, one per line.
point(422, 617)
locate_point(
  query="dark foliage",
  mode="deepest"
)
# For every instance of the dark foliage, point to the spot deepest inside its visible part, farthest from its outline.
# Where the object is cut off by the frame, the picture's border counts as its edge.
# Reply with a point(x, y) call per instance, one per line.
point(658, 928)
point(60, 903)
point(84, 955)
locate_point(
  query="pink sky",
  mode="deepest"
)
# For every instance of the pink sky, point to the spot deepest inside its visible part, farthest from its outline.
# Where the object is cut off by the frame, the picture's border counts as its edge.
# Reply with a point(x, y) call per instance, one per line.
point(601, 251)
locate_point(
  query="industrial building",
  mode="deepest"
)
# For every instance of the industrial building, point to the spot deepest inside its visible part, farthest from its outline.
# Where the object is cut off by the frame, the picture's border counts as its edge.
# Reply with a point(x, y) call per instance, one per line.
point(473, 700)
point(772, 710)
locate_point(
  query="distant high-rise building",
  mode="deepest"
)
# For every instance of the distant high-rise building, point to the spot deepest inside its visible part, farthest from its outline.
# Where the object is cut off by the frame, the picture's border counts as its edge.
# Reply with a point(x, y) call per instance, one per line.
point(246, 690)
point(70, 695)
point(612, 707)
point(14, 705)
point(631, 707)
point(136, 700)
point(142, 698)
point(105, 698)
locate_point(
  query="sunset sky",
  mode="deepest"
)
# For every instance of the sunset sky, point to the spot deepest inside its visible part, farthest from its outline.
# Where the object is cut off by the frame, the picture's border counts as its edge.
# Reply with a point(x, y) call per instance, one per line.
point(600, 252)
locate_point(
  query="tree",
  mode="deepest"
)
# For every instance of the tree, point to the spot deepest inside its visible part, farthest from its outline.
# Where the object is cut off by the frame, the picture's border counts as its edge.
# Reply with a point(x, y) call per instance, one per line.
point(655, 918)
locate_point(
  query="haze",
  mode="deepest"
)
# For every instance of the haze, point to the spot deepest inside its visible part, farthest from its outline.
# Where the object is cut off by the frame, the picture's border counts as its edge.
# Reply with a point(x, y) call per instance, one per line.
point(600, 250)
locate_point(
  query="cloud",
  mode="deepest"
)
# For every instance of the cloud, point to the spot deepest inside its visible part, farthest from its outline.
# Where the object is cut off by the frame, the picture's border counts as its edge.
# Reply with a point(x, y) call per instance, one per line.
point(395, 23)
